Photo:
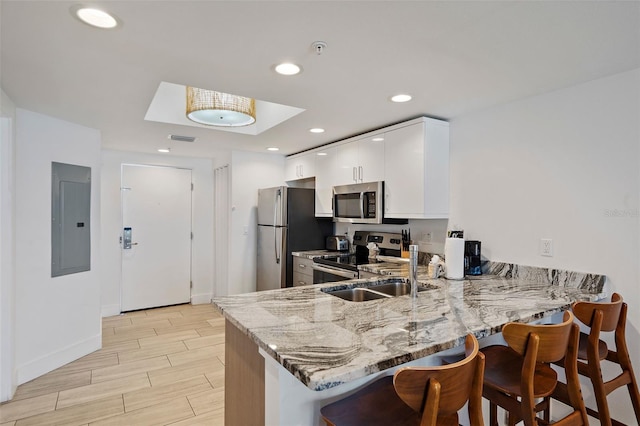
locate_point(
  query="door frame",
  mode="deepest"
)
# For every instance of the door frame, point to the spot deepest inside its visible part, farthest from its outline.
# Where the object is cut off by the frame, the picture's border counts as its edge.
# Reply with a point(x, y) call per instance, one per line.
point(122, 189)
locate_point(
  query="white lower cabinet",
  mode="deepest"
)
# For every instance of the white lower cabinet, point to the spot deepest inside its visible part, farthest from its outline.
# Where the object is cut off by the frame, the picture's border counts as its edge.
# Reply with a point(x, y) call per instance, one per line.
point(416, 171)
point(302, 272)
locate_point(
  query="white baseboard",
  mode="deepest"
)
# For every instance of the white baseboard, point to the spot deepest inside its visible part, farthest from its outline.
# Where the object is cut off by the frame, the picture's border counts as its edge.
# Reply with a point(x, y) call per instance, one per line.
point(110, 310)
point(200, 299)
point(53, 360)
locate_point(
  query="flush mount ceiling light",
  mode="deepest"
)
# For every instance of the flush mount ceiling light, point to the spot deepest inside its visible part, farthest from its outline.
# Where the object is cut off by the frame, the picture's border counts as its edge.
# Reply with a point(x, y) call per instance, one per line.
point(219, 109)
point(287, 68)
point(94, 17)
point(401, 98)
point(164, 150)
point(321, 154)
point(377, 139)
point(316, 130)
point(273, 148)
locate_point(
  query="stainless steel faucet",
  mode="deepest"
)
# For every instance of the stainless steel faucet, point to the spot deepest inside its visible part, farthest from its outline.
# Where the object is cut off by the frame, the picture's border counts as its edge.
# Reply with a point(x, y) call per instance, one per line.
point(413, 270)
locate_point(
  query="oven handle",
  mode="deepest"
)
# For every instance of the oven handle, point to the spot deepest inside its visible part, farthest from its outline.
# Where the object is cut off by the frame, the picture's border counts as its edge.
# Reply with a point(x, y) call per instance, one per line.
point(334, 271)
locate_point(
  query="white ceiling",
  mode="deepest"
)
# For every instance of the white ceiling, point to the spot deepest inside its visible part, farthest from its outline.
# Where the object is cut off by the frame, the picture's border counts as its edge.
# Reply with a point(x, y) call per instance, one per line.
point(452, 56)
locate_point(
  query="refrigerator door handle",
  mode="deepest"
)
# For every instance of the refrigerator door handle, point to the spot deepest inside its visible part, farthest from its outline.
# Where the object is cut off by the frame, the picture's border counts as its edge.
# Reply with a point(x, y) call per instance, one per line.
point(278, 203)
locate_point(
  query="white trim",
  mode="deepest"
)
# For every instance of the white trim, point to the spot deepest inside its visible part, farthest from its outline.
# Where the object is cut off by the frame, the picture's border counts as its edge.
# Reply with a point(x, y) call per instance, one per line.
point(200, 299)
point(53, 360)
point(8, 381)
point(110, 310)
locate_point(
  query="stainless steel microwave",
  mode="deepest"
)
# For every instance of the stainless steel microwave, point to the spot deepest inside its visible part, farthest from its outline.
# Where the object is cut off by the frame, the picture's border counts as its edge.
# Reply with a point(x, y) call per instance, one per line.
point(358, 203)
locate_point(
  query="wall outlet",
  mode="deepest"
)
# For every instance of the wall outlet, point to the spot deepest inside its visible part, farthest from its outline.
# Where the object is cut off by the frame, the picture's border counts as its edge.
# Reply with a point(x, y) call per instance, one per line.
point(428, 237)
point(546, 247)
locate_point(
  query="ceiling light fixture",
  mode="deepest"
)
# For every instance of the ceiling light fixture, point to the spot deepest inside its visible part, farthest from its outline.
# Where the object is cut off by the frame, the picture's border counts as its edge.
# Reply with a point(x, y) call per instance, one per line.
point(94, 17)
point(321, 153)
point(377, 139)
point(273, 148)
point(164, 150)
point(287, 68)
point(219, 109)
point(316, 130)
point(401, 98)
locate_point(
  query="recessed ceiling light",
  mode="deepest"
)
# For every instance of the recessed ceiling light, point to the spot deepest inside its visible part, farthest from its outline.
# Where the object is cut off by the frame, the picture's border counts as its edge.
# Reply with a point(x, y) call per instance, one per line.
point(316, 130)
point(287, 68)
point(94, 17)
point(321, 153)
point(165, 150)
point(273, 148)
point(401, 98)
point(378, 139)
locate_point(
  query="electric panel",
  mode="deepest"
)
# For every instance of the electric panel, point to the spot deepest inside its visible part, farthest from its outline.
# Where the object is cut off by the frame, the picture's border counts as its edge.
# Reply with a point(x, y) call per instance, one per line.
point(70, 219)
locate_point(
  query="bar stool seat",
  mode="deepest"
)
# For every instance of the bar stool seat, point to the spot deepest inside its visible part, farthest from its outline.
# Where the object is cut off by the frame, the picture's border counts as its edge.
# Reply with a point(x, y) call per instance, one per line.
point(426, 396)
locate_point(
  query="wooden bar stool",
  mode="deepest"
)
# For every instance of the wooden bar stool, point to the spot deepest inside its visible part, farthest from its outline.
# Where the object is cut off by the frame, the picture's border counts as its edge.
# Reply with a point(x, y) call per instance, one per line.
point(605, 317)
point(426, 396)
point(519, 374)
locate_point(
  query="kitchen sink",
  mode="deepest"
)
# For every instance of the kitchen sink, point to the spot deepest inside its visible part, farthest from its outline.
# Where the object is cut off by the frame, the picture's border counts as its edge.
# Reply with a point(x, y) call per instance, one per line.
point(358, 294)
point(374, 291)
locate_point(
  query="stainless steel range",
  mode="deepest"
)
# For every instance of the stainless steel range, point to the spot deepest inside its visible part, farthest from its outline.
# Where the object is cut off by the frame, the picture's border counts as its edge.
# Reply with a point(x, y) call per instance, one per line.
point(345, 267)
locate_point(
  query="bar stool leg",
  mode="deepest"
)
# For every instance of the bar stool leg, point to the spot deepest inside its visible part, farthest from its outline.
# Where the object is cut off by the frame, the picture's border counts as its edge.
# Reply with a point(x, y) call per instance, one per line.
point(493, 414)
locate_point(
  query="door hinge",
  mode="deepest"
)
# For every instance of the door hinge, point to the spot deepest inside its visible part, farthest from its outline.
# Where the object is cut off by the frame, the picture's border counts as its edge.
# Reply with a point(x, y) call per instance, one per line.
point(192, 187)
point(190, 284)
point(192, 235)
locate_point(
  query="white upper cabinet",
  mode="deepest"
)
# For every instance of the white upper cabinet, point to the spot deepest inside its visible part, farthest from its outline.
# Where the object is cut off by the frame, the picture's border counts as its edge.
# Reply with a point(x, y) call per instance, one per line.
point(300, 166)
point(361, 160)
point(416, 171)
point(326, 171)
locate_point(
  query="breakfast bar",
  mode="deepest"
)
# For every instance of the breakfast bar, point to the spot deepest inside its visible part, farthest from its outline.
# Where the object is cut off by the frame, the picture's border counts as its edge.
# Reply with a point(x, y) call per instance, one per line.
point(294, 350)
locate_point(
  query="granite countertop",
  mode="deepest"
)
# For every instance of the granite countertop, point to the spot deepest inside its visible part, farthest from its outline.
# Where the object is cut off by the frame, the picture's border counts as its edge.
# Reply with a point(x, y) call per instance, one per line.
point(312, 254)
point(325, 341)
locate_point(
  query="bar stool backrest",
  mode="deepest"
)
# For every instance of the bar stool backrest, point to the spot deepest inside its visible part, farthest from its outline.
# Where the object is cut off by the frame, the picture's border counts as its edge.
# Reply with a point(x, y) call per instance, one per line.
point(454, 384)
point(586, 312)
point(551, 340)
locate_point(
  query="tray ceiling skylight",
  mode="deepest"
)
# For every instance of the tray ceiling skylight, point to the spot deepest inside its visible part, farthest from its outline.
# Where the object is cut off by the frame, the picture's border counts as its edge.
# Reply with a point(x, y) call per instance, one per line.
point(170, 102)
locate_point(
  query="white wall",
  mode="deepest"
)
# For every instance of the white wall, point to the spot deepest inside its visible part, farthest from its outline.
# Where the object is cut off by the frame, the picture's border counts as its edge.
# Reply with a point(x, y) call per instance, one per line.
point(57, 319)
point(250, 171)
point(202, 253)
point(8, 378)
point(565, 166)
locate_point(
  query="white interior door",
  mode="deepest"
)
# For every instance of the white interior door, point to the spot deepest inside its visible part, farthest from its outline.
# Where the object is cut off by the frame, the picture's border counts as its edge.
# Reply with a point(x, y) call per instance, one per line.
point(156, 205)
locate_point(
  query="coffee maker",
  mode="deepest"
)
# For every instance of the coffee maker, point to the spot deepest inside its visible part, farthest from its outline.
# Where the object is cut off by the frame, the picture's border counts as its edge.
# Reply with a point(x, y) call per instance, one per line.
point(472, 265)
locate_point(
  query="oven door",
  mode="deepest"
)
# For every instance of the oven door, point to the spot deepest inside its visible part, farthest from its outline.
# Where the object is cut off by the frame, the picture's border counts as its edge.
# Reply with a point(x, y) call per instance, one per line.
point(327, 274)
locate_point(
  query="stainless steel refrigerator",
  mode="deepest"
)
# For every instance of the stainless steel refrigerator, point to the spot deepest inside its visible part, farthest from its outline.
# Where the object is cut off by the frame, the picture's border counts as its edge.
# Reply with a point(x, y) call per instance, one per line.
point(286, 223)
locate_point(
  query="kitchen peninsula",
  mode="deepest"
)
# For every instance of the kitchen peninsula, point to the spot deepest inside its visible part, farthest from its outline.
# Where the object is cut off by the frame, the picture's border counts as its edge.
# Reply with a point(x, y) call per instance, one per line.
point(292, 351)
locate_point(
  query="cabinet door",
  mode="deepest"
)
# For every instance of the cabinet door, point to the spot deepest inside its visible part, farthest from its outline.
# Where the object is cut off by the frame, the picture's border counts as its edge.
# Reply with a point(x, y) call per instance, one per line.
point(291, 168)
point(417, 171)
point(299, 167)
point(326, 166)
point(404, 172)
point(371, 158)
point(307, 165)
point(347, 169)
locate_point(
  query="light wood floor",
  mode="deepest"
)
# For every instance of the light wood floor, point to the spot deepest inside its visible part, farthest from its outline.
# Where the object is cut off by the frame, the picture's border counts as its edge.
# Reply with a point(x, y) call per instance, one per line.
point(160, 366)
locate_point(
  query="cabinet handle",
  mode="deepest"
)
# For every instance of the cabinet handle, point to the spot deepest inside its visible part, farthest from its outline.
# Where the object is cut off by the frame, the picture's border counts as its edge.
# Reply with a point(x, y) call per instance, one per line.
point(355, 174)
point(301, 171)
point(360, 174)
